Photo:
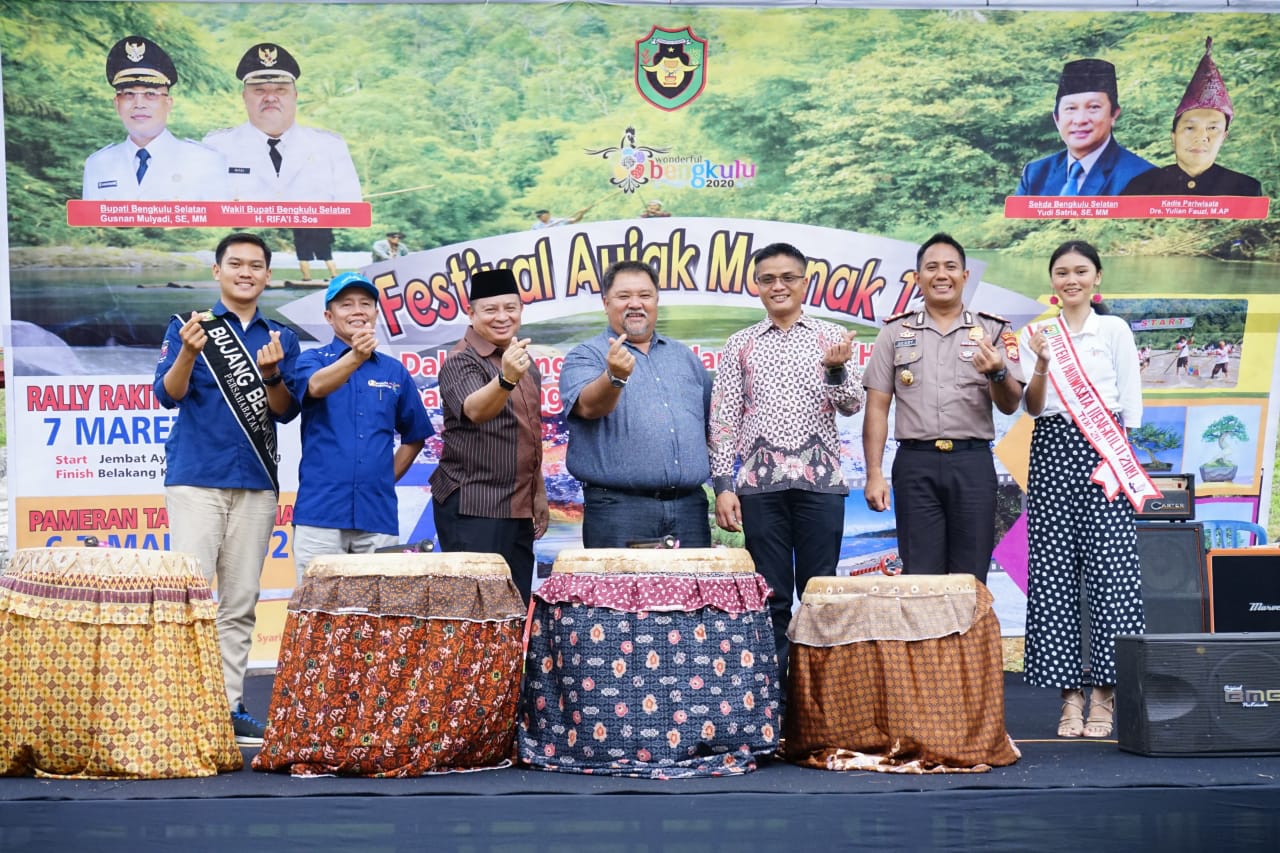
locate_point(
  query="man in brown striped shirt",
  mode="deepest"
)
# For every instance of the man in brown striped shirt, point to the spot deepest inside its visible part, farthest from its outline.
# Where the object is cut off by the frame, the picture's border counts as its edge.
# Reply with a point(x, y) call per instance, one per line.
point(487, 492)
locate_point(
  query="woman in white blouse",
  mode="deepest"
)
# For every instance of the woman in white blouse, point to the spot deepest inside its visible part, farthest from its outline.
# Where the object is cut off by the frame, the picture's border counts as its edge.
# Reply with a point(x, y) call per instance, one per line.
point(1084, 391)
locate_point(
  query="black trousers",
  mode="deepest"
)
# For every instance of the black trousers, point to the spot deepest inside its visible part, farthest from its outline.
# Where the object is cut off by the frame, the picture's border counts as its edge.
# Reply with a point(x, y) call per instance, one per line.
point(792, 536)
point(512, 538)
point(945, 506)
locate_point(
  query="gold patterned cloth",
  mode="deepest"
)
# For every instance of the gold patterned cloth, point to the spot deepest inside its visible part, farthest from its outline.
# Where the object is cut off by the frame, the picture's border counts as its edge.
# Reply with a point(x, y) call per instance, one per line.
point(900, 674)
point(109, 667)
point(397, 665)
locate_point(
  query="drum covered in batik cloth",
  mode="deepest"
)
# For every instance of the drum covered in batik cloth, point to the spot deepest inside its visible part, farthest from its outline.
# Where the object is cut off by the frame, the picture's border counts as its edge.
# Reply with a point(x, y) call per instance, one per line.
point(109, 667)
point(900, 674)
point(650, 663)
point(397, 665)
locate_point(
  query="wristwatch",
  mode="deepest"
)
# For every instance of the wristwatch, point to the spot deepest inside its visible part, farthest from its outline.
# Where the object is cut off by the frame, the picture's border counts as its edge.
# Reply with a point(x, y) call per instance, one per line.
point(274, 380)
point(504, 383)
point(615, 381)
point(999, 375)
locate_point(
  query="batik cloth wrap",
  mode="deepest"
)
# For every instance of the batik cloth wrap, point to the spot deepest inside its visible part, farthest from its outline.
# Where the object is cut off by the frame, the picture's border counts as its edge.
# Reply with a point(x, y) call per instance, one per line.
point(397, 665)
point(654, 663)
point(109, 667)
point(900, 674)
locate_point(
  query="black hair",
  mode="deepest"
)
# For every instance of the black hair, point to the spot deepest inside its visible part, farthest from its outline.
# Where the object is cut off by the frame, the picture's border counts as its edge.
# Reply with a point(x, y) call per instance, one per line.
point(945, 239)
point(1226, 125)
point(625, 266)
point(241, 237)
point(774, 250)
point(1080, 247)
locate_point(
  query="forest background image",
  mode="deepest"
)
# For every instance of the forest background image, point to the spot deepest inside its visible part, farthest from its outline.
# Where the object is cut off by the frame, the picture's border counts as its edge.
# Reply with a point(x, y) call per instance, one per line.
point(867, 134)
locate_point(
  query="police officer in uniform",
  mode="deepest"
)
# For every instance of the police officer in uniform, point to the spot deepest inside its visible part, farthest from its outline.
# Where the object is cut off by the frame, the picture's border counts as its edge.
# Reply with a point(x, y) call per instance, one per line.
point(272, 158)
point(151, 164)
point(945, 365)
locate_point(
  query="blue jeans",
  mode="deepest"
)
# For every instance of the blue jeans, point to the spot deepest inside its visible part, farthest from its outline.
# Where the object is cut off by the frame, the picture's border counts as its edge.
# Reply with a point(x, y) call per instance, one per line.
point(611, 519)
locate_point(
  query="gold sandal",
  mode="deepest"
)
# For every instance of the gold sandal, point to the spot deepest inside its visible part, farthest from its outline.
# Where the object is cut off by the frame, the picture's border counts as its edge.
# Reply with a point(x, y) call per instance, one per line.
point(1102, 708)
point(1071, 723)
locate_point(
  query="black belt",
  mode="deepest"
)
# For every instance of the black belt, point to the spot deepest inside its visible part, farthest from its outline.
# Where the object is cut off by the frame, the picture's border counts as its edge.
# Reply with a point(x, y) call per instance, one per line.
point(946, 445)
point(671, 494)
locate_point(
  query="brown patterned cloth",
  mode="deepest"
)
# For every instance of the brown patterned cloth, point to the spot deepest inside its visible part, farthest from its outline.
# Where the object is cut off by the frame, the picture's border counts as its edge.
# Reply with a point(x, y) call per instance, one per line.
point(110, 668)
point(897, 675)
point(397, 665)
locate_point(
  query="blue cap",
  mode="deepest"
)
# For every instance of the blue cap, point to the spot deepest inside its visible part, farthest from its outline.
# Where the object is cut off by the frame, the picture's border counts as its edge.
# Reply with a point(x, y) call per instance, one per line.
point(339, 283)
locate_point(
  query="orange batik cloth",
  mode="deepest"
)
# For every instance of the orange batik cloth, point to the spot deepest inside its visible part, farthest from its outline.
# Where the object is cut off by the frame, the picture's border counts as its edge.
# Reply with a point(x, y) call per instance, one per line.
point(109, 667)
point(900, 675)
point(397, 665)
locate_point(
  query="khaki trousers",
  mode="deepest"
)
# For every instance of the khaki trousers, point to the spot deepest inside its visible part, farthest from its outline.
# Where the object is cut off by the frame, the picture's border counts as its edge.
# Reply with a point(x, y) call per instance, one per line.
point(228, 530)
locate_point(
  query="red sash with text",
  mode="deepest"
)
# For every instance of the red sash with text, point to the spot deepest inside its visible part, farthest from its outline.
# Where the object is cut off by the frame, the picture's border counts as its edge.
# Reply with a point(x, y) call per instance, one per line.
point(1119, 469)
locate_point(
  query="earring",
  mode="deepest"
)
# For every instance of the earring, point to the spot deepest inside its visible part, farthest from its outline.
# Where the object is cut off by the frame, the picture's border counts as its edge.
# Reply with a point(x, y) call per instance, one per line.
point(1097, 297)
point(1053, 300)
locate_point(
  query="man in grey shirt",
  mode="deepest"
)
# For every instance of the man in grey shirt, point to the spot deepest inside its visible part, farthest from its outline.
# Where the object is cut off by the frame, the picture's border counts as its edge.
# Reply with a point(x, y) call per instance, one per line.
point(637, 404)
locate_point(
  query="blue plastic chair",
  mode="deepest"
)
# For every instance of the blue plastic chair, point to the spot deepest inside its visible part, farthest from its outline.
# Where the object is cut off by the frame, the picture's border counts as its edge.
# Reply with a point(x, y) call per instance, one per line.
point(1227, 533)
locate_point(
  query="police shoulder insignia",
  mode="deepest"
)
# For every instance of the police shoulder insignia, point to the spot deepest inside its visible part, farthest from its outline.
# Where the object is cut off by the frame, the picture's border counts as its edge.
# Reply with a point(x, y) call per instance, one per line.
point(898, 316)
point(1010, 341)
point(995, 317)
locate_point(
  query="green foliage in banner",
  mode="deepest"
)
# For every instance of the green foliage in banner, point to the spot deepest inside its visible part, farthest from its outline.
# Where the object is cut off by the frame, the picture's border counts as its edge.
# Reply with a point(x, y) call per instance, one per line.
point(464, 119)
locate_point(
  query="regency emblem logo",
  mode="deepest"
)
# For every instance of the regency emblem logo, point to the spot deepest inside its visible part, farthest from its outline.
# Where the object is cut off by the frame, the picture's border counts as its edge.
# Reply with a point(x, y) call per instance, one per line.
point(670, 67)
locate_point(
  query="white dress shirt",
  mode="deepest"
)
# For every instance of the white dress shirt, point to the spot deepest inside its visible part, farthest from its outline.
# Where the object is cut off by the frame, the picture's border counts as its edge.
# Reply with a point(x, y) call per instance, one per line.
point(1109, 357)
point(315, 165)
point(178, 170)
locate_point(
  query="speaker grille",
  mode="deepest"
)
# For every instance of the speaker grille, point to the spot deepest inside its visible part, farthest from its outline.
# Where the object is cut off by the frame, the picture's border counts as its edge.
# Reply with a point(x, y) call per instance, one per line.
point(1173, 576)
point(1199, 694)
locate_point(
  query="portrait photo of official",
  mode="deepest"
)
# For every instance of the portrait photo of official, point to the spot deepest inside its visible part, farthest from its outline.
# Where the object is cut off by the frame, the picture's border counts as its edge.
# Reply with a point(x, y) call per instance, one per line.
point(151, 164)
point(270, 157)
point(1085, 112)
point(1200, 126)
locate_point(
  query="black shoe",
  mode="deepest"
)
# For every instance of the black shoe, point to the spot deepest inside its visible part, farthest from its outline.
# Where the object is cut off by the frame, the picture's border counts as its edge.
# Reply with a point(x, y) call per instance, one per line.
point(248, 730)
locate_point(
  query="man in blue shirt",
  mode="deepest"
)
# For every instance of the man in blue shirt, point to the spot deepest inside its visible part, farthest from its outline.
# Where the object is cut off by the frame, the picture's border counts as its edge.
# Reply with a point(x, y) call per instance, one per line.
point(637, 404)
point(221, 483)
point(1094, 163)
point(354, 401)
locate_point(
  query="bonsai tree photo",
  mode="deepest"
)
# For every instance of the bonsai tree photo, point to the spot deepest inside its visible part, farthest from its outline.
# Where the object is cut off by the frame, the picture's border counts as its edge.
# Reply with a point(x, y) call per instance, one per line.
point(1153, 439)
point(1222, 469)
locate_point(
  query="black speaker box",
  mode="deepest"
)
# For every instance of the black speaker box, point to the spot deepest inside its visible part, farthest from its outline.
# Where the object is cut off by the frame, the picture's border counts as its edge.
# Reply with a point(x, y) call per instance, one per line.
point(1174, 583)
point(1244, 589)
point(1198, 694)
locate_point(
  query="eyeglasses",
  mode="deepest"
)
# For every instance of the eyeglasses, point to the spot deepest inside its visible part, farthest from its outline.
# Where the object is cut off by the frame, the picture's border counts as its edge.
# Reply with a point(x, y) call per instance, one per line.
point(148, 95)
point(789, 279)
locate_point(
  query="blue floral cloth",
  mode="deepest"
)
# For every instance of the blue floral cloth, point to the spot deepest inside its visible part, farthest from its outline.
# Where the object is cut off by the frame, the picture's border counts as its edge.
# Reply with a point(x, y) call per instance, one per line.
point(650, 694)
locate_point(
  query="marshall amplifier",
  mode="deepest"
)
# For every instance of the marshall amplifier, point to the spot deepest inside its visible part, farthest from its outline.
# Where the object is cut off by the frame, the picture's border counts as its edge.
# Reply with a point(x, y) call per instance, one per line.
point(1244, 589)
point(1177, 501)
point(1198, 694)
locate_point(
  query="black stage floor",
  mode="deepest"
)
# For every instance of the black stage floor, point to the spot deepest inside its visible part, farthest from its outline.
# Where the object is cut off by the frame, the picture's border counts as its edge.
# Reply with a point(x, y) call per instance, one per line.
point(1076, 795)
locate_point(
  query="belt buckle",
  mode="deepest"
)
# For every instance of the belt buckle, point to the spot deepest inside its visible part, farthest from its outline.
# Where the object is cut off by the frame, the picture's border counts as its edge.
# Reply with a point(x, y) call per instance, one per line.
point(943, 444)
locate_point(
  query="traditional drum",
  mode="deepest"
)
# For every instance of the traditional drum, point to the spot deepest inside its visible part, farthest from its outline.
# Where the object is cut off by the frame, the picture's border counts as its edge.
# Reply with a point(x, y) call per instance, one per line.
point(109, 667)
point(650, 663)
point(397, 665)
point(899, 674)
